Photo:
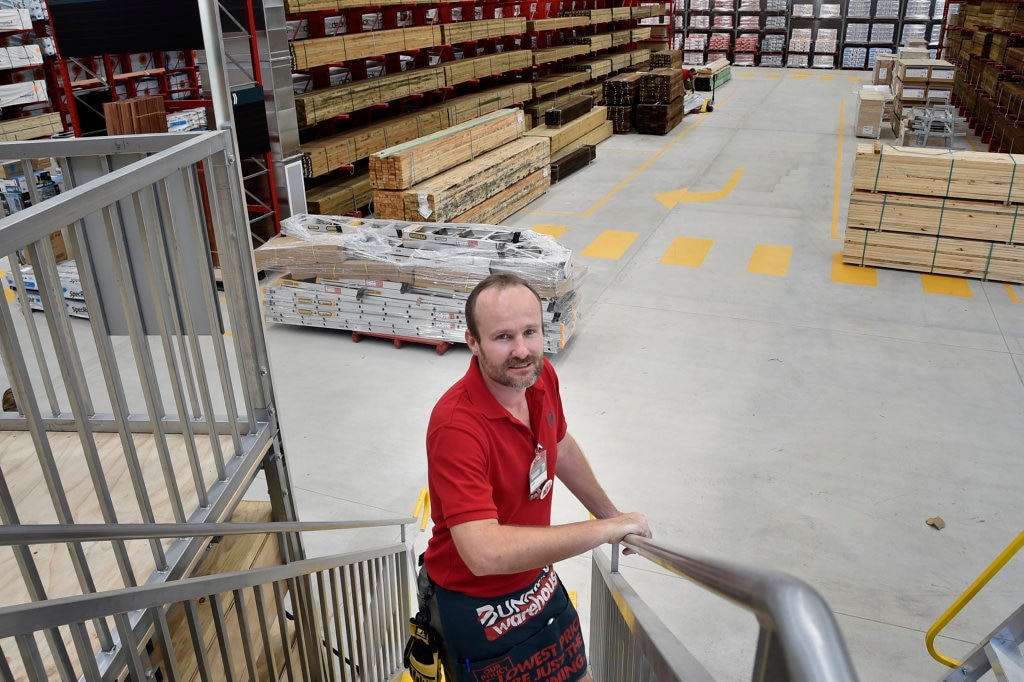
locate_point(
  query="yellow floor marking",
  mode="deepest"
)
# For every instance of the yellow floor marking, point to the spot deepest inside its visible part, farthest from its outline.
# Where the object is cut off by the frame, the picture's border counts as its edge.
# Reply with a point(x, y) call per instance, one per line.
point(227, 333)
point(572, 597)
point(839, 174)
point(685, 196)
point(826, 78)
point(1009, 290)
point(772, 75)
point(855, 79)
point(610, 244)
point(622, 185)
point(688, 252)
point(555, 231)
point(746, 75)
point(223, 299)
point(946, 285)
point(972, 145)
point(770, 260)
point(9, 294)
point(800, 76)
point(853, 274)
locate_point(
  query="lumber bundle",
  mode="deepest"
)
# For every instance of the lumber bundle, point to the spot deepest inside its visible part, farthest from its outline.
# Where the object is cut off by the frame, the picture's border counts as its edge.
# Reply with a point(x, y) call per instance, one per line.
point(621, 37)
point(454, 192)
point(661, 85)
point(299, 6)
point(935, 255)
point(622, 89)
point(404, 165)
point(509, 200)
point(547, 55)
point(30, 127)
point(538, 108)
point(561, 138)
point(712, 68)
point(407, 279)
point(595, 67)
point(619, 60)
point(327, 154)
point(333, 49)
point(600, 41)
point(338, 196)
point(935, 216)
point(658, 119)
point(667, 59)
point(473, 68)
point(555, 23)
point(321, 105)
point(570, 162)
point(622, 117)
point(546, 85)
point(939, 173)
point(145, 114)
point(464, 31)
point(568, 112)
point(639, 34)
point(936, 211)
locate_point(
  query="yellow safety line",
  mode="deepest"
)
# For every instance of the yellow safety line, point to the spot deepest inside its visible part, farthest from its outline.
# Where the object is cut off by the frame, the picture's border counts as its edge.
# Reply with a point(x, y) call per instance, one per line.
point(423, 505)
point(971, 142)
point(635, 173)
point(966, 597)
point(1013, 296)
point(839, 174)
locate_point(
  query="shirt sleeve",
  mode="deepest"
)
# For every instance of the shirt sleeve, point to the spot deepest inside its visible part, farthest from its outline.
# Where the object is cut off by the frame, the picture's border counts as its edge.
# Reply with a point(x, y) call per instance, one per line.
point(458, 475)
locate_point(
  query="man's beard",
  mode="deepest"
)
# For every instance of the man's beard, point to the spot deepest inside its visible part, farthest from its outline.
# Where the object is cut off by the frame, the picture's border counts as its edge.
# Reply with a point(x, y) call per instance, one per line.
point(501, 375)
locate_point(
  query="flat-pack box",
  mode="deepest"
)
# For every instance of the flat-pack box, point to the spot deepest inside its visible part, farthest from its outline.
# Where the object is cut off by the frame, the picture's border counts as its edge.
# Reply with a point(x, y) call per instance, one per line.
point(882, 72)
point(871, 108)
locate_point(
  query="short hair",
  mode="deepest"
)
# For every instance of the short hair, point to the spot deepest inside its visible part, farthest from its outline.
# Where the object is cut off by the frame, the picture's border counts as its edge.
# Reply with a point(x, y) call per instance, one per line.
point(500, 280)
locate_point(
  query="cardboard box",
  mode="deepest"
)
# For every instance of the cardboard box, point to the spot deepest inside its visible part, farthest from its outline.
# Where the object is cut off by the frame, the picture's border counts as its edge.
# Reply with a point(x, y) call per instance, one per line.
point(882, 73)
point(871, 108)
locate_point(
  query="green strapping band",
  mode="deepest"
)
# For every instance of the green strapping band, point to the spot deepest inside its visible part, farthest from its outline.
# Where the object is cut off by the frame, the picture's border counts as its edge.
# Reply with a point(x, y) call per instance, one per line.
point(988, 263)
point(878, 169)
point(1013, 175)
point(1013, 227)
point(864, 251)
point(942, 214)
point(881, 214)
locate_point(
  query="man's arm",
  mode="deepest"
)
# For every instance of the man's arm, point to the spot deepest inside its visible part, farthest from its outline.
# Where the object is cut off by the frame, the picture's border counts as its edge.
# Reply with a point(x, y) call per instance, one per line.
point(489, 548)
point(575, 472)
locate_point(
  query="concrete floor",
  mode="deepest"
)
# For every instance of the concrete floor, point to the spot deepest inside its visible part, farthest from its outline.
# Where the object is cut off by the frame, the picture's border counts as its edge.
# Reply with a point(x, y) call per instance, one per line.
point(785, 420)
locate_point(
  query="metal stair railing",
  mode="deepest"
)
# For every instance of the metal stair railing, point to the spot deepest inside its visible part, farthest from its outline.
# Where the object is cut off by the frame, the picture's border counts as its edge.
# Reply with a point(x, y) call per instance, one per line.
point(346, 615)
point(799, 639)
point(1000, 651)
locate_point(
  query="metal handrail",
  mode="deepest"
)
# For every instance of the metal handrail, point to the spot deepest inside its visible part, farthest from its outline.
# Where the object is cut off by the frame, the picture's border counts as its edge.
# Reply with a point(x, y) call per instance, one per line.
point(32, 534)
point(966, 597)
point(792, 615)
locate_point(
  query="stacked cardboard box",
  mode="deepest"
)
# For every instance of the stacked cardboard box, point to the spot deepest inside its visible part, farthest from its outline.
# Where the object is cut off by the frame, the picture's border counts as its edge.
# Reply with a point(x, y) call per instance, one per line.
point(67, 271)
point(874, 104)
point(407, 279)
point(920, 82)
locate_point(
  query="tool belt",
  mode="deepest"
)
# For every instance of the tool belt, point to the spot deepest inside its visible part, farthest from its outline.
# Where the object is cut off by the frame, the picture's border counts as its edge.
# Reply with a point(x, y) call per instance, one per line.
point(422, 655)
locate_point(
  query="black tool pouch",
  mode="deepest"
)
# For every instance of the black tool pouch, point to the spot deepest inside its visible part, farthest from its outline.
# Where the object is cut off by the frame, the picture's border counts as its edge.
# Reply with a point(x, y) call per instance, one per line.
point(422, 656)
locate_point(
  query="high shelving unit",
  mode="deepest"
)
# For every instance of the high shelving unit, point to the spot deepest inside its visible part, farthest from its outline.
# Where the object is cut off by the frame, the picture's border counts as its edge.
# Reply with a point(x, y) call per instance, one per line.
point(26, 74)
point(356, 70)
point(804, 33)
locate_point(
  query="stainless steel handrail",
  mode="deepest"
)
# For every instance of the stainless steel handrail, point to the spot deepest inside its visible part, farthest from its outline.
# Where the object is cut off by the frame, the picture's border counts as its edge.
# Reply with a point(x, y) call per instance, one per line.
point(33, 534)
point(795, 620)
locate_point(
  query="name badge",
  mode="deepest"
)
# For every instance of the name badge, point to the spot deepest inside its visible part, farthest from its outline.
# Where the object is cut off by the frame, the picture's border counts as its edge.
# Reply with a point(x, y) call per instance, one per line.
point(540, 484)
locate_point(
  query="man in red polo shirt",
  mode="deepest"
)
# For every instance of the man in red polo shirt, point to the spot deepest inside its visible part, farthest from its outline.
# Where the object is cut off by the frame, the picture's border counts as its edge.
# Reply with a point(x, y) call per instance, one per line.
point(495, 442)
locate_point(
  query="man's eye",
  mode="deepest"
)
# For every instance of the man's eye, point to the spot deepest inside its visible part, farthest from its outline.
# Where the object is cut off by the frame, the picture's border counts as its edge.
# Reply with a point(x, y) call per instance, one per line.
point(530, 332)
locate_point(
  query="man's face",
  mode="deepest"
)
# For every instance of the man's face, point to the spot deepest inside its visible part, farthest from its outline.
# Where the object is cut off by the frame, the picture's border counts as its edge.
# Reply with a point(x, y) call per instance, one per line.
point(511, 343)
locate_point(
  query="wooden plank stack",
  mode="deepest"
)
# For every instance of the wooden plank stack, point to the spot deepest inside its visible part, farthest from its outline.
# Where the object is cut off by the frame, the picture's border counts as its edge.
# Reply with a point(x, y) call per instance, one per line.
point(937, 211)
point(621, 95)
point(404, 165)
point(659, 119)
point(334, 49)
point(30, 127)
point(591, 128)
point(449, 195)
point(569, 111)
point(330, 153)
point(672, 59)
point(342, 195)
point(136, 115)
point(661, 85)
point(537, 109)
point(570, 162)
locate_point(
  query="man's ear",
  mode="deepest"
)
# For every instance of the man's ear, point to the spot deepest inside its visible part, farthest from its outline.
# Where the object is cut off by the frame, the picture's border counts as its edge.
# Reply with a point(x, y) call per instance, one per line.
point(471, 341)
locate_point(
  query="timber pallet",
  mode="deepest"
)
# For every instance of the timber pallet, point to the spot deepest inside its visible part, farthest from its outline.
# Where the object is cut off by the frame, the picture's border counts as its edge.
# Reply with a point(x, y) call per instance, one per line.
point(440, 346)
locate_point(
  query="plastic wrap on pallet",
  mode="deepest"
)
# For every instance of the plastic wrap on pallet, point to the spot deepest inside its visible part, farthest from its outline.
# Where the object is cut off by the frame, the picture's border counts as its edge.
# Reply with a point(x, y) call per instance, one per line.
point(420, 269)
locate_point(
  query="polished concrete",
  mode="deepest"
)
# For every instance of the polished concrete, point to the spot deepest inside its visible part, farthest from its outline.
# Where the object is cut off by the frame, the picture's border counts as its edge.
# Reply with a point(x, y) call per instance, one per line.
point(756, 405)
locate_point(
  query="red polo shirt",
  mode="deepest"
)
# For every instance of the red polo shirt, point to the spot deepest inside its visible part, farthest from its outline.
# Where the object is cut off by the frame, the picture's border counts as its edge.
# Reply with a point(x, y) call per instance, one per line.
point(478, 467)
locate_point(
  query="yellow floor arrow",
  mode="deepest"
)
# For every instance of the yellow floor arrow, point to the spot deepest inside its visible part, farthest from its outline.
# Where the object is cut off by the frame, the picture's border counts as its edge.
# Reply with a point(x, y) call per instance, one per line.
point(685, 196)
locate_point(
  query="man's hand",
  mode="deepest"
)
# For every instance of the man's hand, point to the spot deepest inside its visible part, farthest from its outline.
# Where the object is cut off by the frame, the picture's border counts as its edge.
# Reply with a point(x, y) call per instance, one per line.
point(633, 523)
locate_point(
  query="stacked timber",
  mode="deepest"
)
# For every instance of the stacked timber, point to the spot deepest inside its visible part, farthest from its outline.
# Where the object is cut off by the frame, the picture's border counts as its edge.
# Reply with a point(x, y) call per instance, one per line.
point(30, 127)
point(621, 94)
point(552, 83)
point(659, 119)
point(936, 211)
point(409, 279)
point(568, 112)
point(622, 118)
point(672, 59)
point(591, 128)
point(312, 52)
point(404, 165)
point(661, 85)
point(342, 195)
point(597, 68)
point(570, 162)
point(465, 31)
point(537, 109)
